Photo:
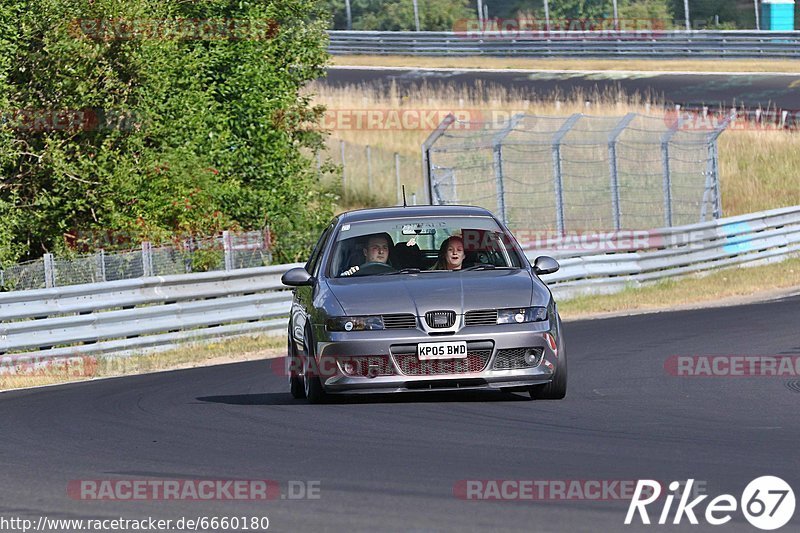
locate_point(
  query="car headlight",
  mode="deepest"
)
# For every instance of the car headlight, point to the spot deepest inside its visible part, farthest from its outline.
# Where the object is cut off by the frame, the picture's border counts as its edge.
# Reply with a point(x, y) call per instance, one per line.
point(521, 315)
point(354, 323)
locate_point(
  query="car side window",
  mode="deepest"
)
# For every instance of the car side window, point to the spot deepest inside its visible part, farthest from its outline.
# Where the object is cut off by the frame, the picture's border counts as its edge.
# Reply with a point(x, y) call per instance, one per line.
point(314, 261)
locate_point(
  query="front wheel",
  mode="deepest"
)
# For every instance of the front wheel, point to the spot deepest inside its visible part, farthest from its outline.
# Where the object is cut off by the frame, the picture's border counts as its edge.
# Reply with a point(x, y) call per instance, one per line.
point(556, 389)
point(312, 385)
point(293, 365)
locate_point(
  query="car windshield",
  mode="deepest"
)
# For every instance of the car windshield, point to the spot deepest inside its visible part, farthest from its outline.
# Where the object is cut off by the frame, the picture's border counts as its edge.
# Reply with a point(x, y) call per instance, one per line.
point(416, 245)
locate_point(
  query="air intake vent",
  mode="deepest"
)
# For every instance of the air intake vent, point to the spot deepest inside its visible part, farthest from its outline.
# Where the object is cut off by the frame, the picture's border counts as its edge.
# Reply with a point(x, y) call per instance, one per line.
point(484, 317)
point(401, 321)
point(440, 319)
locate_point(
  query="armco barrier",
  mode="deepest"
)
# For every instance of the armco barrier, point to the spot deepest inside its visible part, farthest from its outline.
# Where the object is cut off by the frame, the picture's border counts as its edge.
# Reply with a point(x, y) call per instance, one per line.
point(156, 313)
point(661, 43)
point(757, 237)
point(142, 314)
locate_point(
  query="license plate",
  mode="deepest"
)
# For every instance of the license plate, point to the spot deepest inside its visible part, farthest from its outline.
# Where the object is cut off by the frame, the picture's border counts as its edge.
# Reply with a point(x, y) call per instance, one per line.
point(442, 350)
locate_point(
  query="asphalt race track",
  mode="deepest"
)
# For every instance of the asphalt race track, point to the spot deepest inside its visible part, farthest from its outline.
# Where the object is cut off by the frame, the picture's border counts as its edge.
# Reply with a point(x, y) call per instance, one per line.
point(391, 463)
point(689, 89)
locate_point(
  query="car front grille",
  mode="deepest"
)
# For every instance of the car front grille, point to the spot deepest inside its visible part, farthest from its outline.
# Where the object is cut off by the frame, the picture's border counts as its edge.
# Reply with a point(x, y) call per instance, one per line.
point(440, 319)
point(483, 317)
point(401, 321)
point(371, 365)
point(475, 361)
point(514, 359)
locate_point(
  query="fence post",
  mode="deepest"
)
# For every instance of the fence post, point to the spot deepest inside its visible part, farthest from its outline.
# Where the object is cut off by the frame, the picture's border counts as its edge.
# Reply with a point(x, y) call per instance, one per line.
point(427, 173)
point(227, 246)
point(558, 179)
point(497, 149)
point(147, 259)
point(612, 163)
point(101, 265)
point(714, 163)
point(49, 271)
point(397, 178)
point(667, 185)
point(369, 170)
point(344, 170)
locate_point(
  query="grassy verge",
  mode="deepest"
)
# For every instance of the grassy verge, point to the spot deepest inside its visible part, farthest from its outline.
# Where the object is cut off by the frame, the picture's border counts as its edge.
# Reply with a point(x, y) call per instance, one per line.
point(733, 285)
point(661, 65)
point(243, 348)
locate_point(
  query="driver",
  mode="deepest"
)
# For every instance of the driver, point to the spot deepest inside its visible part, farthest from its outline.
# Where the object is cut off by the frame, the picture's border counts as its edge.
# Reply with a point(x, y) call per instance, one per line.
point(375, 251)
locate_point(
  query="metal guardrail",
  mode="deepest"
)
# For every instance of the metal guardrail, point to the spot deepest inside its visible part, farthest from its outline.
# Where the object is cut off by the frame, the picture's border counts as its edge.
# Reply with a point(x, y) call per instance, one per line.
point(629, 259)
point(157, 313)
point(646, 43)
point(137, 315)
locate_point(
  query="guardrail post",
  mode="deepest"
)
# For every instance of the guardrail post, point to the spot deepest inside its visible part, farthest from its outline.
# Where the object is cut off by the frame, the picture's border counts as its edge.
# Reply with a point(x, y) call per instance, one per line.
point(612, 163)
point(49, 271)
point(101, 265)
point(557, 177)
point(227, 246)
point(147, 259)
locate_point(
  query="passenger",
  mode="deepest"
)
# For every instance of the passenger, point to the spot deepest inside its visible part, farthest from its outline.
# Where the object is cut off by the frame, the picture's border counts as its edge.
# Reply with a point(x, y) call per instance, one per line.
point(451, 254)
point(375, 251)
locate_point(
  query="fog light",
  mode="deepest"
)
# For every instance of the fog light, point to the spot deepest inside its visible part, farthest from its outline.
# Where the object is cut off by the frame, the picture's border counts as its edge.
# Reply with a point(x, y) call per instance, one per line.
point(533, 357)
point(349, 367)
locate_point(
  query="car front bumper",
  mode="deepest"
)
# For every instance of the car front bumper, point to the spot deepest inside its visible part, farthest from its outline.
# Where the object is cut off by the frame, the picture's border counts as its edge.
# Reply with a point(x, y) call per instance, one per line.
point(399, 345)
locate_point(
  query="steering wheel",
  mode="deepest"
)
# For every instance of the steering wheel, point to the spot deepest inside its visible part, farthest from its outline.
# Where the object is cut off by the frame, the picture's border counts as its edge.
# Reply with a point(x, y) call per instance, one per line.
point(373, 267)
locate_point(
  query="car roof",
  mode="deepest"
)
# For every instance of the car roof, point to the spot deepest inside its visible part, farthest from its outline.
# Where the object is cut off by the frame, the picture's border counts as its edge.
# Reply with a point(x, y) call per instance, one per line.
point(413, 211)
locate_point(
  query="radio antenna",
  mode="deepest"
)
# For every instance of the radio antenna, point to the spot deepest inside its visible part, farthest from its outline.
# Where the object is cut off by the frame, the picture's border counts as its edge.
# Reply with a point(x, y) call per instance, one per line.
point(404, 196)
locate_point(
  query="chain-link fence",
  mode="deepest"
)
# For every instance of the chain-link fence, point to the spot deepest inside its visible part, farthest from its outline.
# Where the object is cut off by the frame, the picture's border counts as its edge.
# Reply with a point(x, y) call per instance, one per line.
point(373, 176)
point(228, 251)
point(579, 172)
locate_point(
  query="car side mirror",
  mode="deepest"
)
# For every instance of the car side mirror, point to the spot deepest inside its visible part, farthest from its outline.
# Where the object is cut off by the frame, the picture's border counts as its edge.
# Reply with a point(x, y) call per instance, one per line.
point(297, 277)
point(545, 265)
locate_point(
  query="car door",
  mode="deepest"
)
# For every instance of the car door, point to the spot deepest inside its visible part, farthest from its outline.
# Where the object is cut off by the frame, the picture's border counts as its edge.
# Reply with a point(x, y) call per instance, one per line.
point(303, 297)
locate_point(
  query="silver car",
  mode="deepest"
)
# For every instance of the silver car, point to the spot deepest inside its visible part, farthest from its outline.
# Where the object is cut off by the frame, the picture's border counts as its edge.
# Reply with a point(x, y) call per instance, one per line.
point(423, 298)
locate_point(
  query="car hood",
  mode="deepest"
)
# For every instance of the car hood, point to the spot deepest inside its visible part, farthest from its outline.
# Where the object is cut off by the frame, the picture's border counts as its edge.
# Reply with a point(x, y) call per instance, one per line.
point(430, 291)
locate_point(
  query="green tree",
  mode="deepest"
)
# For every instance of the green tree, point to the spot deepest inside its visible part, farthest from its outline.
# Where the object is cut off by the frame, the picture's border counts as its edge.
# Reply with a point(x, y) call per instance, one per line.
point(210, 133)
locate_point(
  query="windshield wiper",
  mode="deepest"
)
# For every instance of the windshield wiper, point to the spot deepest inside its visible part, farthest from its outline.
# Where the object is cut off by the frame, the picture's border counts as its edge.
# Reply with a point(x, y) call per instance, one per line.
point(486, 266)
point(403, 271)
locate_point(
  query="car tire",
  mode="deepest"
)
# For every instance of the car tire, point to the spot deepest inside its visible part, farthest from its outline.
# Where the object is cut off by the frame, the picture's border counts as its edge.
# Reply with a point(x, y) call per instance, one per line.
point(296, 387)
point(557, 388)
point(313, 389)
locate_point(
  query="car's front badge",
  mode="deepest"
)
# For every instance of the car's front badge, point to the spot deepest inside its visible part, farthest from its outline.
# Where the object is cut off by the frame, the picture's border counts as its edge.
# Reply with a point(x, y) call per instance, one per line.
point(348, 326)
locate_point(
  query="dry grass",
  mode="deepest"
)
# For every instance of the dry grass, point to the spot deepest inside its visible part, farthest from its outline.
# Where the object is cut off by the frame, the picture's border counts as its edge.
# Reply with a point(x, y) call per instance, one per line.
point(733, 283)
point(759, 169)
point(244, 348)
point(661, 65)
